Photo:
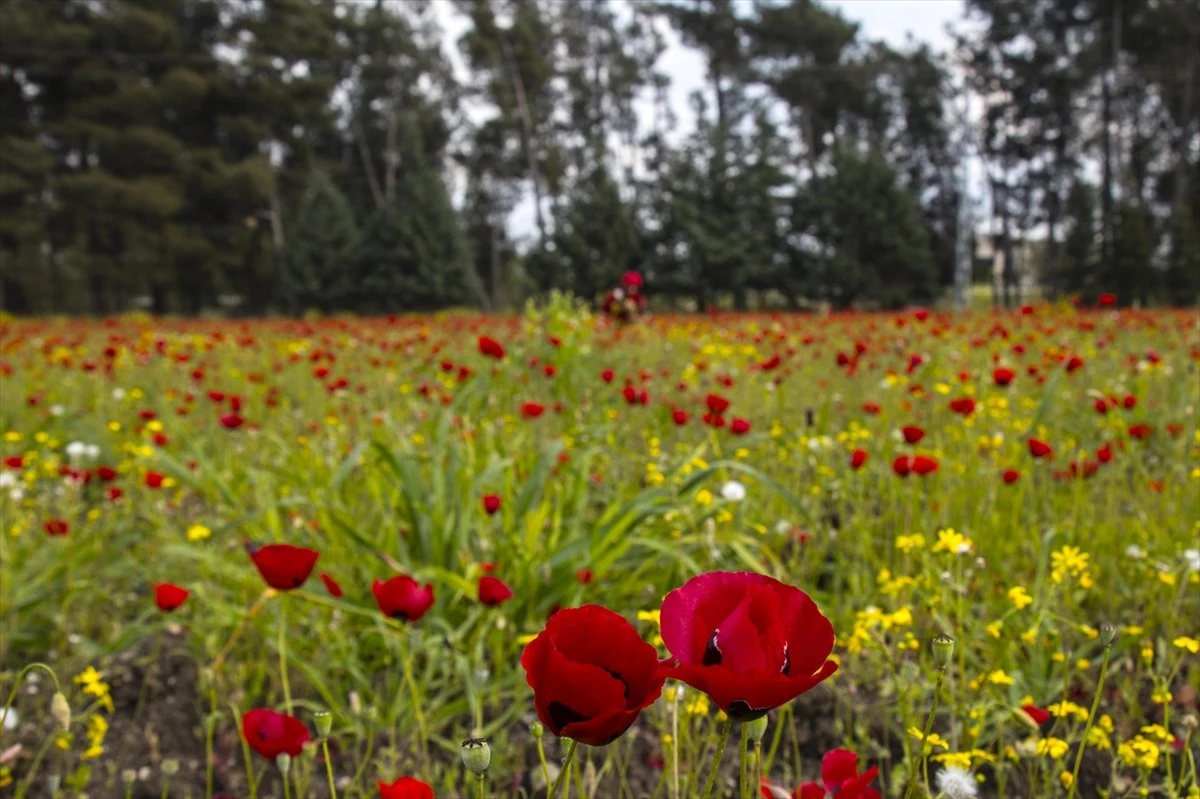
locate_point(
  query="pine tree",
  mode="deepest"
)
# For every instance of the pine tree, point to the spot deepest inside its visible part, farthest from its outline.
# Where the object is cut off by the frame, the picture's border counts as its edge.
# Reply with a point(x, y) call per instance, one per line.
point(315, 268)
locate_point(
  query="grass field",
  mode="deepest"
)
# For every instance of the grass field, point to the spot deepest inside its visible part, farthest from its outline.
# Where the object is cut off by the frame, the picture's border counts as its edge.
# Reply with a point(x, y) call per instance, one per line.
point(876, 462)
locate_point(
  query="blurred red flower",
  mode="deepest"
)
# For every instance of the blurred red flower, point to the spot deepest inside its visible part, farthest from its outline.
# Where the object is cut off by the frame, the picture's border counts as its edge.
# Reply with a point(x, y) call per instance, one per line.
point(402, 598)
point(169, 596)
point(284, 566)
point(272, 734)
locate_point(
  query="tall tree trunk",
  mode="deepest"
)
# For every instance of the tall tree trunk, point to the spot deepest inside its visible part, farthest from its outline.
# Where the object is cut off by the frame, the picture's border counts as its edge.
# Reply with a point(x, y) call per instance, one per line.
point(364, 153)
point(528, 136)
point(1186, 114)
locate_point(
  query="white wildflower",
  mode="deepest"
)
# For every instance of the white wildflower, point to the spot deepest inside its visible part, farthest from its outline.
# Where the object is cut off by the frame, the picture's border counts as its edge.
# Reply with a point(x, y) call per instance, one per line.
point(733, 491)
point(1134, 551)
point(957, 783)
point(1192, 557)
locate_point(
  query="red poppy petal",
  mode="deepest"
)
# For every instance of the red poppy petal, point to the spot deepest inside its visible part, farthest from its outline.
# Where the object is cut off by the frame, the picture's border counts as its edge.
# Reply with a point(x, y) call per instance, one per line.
point(838, 767)
point(758, 691)
point(693, 612)
point(597, 635)
point(566, 692)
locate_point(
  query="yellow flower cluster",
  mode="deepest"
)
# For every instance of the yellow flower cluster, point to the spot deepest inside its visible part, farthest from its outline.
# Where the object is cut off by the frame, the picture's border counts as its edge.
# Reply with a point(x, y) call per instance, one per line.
point(1139, 752)
point(953, 542)
point(94, 685)
point(1070, 562)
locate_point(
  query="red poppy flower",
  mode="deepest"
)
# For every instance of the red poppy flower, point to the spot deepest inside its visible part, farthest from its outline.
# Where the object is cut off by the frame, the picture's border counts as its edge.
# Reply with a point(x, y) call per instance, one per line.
point(532, 410)
point(1010, 476)
point(607, 375)
point(739, 427)
point(631, 280)
point(963, 405)
point(491, 503)
point(169, 596)
point(1129, 403)
point(56, 527)
point(284, 566)
point(1140, 431)
point(679, 416)
point(1036, 714)
point(635, 396)
point(1002, 376)
point(231, 421)
point(912, 433)
point(490, 347)
point(872, 408)
point(115, 493)
point(402, 598)
point(493, 591)
point(749, 641)
point(584, 575)
point(840, 778)
point(331, 585)
point(770, 363)
point(591, 674)
point(272, 734)
point(923, 465)
point(1104, 454)
point(1040, 449)
point(717, 404)
point(106, 473)
point(1074, 363)
point(155, 479)
point(1101, 405)
point(15, 461)
point(902, 466)
point(216, 396)
point(404, 788)
point(1107, 299)
point(858, 458)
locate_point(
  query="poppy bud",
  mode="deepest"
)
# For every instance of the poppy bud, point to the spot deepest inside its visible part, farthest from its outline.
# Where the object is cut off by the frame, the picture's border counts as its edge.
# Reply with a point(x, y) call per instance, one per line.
point(1108, 634)
point(128, 776)
point(60, 711)
point(323, 721)
point(476, 755)
point(537, 730)
point(943, 649)
point(170, 767)
point(284, 761)
point(756, 729)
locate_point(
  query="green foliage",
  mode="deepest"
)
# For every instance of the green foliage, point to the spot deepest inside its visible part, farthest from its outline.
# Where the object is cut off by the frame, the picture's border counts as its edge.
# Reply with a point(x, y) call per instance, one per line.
point(315, 264)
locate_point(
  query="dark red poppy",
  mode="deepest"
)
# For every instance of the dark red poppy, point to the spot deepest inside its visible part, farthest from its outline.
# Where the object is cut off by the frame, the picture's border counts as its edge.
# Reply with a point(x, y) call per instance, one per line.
point(923, 465)
point(231, 421)
point(679, 416)
point(56, 527)
point(1040, 449)
point(106, 473)
point(584, 575)
point(169, 596)
point(331, 585)
point(739, 427)
point(273, 734)
point(1140, 431)
point(115, 493)
point(491, 503)
point(635, 396)
point(591, 674)
point(1010, 476)
point(1003, 376)
point(607, 375)
point(1107, 299)
point(747, 640)
point(858, 458)
point(532, 410)
point(1074, 363)
point(902, 465)
point(716, 404)
point(216, 396)
point(872, 408)
point(15, 461)
point(1104, 454)
point(912, 433)
point(963, 405)
point(1129, 403)
point(770, 363)
point(490, 347)
point(631, 280)
point(155, 479)
point(402, 598)
point(1036, 714)
point(840, 778)
point(493, 591)
point(1101, 405)
point(284, 566)
point(404, 788)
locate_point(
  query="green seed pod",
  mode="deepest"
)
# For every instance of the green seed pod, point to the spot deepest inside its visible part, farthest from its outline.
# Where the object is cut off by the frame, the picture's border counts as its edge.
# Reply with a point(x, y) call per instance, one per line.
point(943, 650)
point(1108, 634)
point(756, 729)
point(476, 755)
point(537, 730)
point(170, 767)
point(284, 761)
point(323, 721)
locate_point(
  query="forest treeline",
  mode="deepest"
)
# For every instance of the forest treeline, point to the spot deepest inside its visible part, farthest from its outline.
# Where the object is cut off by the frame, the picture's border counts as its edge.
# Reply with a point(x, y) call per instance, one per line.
point(283, 155)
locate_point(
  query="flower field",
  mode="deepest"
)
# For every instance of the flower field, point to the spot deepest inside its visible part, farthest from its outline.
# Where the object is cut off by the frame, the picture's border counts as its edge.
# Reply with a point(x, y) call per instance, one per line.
point(908, 554)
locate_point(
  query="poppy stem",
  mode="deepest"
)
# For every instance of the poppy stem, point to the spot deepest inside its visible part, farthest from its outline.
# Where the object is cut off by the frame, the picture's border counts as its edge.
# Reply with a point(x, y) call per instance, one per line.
point(283, 674)
point(566, 767)
point(723, 738)
point(21, 676)
point(328, 767)
point(1091, 720)
point(246, 756)
point(921, 757)
point(743, 760)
